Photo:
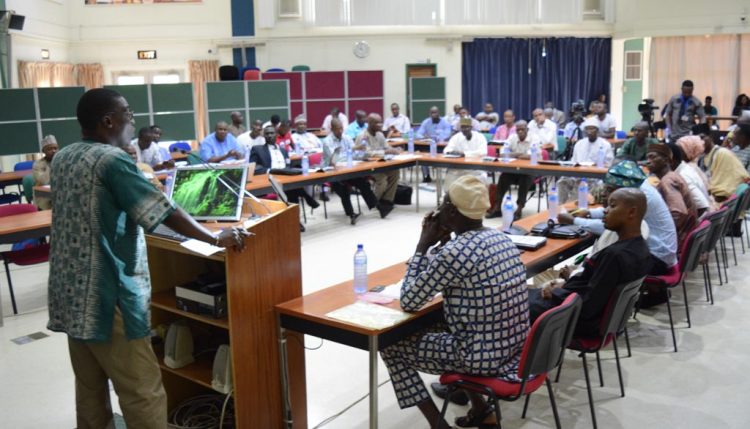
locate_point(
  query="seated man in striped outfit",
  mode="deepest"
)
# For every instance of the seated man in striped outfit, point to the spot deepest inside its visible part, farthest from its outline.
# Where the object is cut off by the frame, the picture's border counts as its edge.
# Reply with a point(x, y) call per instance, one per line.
point(483, 282)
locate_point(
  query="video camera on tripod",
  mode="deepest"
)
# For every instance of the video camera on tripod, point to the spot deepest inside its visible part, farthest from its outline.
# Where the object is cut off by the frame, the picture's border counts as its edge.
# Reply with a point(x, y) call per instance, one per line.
point(646, 109)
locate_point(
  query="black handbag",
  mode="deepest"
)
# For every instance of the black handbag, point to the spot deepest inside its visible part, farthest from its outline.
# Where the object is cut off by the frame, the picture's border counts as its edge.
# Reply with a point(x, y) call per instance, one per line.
point(552, 230)
point(403, 195)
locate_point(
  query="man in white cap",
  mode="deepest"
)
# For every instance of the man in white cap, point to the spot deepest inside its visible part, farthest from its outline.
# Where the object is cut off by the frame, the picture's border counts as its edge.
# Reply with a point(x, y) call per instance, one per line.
point(42, 168)
point(303, 139)
point(585, 151)
point(483, 282)
point(469, 143)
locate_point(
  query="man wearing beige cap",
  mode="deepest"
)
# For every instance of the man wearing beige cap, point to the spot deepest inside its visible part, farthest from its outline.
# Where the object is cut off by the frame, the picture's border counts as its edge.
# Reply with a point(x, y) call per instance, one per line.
point(42, 168)
point(303, 139)
point(469, 143)
point(485, 304)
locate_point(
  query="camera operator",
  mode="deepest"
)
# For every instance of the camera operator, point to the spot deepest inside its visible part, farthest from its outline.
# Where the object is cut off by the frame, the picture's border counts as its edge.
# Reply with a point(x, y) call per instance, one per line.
point(681, 112)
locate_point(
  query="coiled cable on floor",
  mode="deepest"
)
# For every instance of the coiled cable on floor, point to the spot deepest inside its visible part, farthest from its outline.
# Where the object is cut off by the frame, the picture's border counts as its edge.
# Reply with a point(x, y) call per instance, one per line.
point(203, 412)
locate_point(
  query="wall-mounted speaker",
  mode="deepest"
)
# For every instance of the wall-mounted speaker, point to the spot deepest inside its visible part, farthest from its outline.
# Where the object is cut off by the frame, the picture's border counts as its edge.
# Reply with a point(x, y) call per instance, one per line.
point(10, 21)
point(222, 375)
point(178, 346)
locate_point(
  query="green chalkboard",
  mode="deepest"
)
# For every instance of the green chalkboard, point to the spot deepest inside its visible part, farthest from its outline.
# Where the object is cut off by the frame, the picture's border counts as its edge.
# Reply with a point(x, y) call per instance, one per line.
point(265, 114)
point(17, 105)
point(428, 88)
point(226, 95)
point(136, 95)
point(214, 117)
point(172, 97)
point(140, 122)
point(19, 138)
point(59, 102)
point(66, 131)
point(269, 93)
point(420, 110)
point(176, 126)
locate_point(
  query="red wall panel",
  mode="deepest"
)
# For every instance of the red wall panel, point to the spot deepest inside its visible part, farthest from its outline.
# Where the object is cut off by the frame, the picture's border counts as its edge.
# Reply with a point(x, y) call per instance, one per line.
point(365, 83)
point(324, 85)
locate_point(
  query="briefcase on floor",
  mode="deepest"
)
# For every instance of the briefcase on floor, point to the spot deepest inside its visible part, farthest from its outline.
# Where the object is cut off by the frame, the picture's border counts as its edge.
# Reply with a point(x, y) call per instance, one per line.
point(403, 195)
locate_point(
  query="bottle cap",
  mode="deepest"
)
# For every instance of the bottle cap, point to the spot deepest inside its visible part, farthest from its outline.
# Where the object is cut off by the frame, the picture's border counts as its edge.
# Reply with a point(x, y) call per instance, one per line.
point(360, 247)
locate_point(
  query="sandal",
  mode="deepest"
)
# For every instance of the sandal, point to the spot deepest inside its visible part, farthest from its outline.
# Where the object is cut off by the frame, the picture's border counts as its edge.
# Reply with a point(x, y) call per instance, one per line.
point(470, 420)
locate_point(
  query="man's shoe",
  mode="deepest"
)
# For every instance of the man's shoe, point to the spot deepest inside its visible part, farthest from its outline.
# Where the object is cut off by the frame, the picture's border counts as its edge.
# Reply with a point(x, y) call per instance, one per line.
point(313, 204)
point(301, 228)
point(324, 197)
point(353, 219)
point(427, 179)
point(493, 214)
point(459, 397)
point(384, 209)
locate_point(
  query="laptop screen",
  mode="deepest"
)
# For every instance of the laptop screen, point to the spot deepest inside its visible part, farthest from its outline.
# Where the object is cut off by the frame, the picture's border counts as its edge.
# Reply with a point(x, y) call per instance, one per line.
point(210, 193)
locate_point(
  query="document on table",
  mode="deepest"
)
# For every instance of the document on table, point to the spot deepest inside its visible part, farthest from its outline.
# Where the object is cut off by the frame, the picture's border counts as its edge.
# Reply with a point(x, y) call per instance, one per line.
point(405, 156)
point(369, 315)
point(200, 247)
point(394, 291)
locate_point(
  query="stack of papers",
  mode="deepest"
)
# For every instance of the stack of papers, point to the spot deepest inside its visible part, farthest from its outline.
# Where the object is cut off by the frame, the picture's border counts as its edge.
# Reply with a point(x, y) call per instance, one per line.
point(371, 316)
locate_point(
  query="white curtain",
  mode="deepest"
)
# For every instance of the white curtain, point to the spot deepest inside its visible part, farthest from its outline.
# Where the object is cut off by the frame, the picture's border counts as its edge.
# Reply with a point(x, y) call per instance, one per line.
point(712, 63)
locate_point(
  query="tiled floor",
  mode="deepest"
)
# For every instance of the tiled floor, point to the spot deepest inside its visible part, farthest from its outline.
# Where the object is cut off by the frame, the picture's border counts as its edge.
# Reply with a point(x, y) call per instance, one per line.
point(705, 385)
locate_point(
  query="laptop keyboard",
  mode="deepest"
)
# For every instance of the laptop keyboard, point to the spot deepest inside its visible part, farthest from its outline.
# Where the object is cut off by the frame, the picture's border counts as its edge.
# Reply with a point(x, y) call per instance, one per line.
point(167, 232)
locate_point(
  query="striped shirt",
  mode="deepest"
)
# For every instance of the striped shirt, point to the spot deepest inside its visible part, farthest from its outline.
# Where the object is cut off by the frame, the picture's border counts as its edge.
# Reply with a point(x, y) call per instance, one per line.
point(485, 300)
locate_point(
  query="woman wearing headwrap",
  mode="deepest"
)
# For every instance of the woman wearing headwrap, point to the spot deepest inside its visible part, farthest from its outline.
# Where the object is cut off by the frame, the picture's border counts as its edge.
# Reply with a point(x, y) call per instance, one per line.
point(42, 168)
point(726, 172)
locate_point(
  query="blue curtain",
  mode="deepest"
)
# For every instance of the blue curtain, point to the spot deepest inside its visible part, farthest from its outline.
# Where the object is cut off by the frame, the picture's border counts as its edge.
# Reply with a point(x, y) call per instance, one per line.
point(511, 73)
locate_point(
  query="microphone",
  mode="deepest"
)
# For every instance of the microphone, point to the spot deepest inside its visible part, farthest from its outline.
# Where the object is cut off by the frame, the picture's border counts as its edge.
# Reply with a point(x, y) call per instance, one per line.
point(233, 183)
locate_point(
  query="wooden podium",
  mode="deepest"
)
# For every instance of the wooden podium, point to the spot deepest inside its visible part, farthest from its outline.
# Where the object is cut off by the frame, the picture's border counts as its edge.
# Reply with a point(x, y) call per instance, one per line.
point(266, 273)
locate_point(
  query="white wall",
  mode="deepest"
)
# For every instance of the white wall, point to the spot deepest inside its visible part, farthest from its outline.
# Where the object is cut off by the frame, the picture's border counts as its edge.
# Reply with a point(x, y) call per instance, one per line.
point(644, 18)
point(387, 53)
point(112, 35)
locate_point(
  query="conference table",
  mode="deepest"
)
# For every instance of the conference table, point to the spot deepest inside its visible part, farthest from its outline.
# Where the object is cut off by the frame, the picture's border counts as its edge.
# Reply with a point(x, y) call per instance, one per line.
point(260, 184)
point(21, 227)
point(13, 177)
point(307, 314)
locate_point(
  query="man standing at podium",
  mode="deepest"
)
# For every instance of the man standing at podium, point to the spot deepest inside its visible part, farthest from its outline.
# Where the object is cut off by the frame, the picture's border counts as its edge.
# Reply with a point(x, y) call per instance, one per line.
point(99, 284)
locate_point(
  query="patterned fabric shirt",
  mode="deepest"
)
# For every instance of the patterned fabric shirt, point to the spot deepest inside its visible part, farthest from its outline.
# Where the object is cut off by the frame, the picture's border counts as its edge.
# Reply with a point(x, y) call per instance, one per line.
point(485, 300)
point(743, 155)
point(101, 205)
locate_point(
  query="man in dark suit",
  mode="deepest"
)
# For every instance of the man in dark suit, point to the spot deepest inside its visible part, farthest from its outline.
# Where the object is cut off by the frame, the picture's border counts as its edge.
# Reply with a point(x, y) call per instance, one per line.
point(270, 156)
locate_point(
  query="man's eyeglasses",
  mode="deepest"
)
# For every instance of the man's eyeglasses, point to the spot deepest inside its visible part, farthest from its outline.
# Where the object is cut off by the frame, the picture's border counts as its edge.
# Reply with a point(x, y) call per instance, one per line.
point(128, 113)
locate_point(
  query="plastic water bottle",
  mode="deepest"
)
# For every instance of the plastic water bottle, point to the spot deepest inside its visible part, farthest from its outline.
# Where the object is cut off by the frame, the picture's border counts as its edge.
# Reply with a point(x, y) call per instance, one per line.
point(247, 155)
point(507, 213)
point(349, 158)
point(552, 203)
point(305, 164)
point(360, 270)
point(600, 156)
point(410, 145)
point(506, 152)
point(433, 148)
point(298, 149)
point(583, 195)
point(534, 154)
point(168, 183)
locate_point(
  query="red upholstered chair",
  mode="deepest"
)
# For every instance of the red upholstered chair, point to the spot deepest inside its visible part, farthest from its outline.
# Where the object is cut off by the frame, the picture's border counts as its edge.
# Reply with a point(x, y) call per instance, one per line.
point(614, 319)
point(690, 254)
point(251, 75)
point(28, 256)
point(542, 351)
point(315, 158)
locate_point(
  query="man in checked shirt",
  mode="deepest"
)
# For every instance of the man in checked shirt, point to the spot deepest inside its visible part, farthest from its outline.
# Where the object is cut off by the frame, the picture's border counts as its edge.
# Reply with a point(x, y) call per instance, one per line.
point(485, 305)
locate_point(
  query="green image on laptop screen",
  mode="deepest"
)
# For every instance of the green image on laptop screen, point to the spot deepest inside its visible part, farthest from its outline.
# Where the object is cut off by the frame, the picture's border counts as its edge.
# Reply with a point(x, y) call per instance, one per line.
point(210, 194)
